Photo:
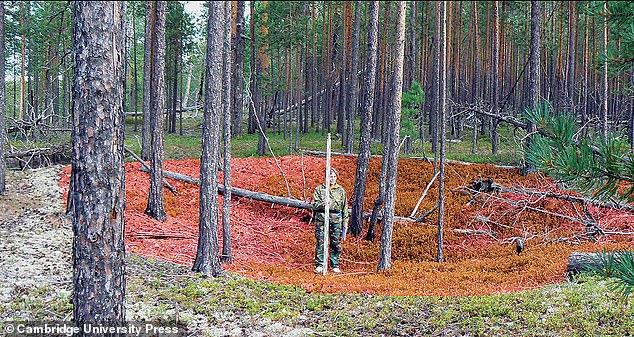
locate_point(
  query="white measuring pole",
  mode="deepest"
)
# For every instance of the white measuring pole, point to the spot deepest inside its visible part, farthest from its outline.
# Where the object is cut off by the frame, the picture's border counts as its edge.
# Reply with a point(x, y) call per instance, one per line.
point(327, 207)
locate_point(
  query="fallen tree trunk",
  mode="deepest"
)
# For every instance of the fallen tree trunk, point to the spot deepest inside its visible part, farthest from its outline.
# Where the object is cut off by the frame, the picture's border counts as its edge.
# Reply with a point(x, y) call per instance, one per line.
point(239, 192)
point(259, 196)
point(584, 262)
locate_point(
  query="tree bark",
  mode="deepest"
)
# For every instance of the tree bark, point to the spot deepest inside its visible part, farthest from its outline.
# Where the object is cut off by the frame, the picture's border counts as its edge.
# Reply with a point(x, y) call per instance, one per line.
point(356, 218)
point(226, 201)
point(98, 174)
point(24, 6)
point(586, 78)
point(156, 199)
point(252, 125)
point(495, 81)
point(146, 133)
point(262, 68)
point(534, 81)
point(351, 111)
point(207, 253)
point(135, 91)
point(433, 113)
point(441, 123)
point(582, 261)
point(385, 254)
point(572, 59)
point(238, 72)
point(412, 50)
point(476, 95)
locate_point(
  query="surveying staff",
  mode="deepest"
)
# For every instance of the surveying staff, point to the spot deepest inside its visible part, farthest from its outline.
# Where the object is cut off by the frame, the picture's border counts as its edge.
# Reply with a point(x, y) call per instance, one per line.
point(338, 222)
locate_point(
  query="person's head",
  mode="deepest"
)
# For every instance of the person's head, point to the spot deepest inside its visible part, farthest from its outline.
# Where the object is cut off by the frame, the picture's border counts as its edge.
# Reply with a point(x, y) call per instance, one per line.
point(333, 176)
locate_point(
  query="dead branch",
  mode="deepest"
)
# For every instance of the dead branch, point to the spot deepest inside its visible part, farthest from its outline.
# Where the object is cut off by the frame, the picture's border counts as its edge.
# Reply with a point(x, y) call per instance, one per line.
point(586, 222)
point(165, 182)
point(424, 194)
point(566, 197)
point(426, 214)
point(43, 156)
point(473, 232)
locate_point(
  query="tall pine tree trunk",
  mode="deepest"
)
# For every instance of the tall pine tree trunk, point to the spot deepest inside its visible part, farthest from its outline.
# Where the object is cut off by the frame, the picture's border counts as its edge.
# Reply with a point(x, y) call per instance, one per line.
point(238, 72)
point(98, 173)
point(572, 59)
point(226, 169)
point(476, 91)
point(442, 93)
point(24, 6)
point(146, 136)
point(356, 218)
point(495, 78)
point(252, 126)
point(586, 77)
point(351, 111)
point(262, 68)
point(433, 112)
point(385, 254)
point(207, 253)
point(412, 47)
point(534, 81)
point(156, 200)
point(135, 74)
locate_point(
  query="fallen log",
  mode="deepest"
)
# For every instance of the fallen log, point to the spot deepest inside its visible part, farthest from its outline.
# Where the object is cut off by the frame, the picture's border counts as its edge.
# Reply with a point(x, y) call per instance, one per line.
point(239, 192)
point(586, 262)
point(259, 196)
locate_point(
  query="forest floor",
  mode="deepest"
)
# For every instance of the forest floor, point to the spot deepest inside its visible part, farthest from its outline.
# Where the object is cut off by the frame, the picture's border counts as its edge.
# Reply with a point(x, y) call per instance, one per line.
point(36, 269)
point(276, 243)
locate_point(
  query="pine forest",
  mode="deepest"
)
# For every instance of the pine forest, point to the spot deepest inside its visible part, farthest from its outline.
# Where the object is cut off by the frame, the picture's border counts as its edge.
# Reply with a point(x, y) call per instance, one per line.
point(311, 168)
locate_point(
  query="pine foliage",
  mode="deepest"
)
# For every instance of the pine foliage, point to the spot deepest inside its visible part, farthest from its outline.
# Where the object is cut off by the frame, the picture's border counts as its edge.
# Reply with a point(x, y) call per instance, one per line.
point(618, 267)
point(604, 169)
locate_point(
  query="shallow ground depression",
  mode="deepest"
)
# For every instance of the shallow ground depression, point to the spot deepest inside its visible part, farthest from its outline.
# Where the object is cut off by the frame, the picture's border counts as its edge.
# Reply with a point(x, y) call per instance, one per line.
point(276, 243)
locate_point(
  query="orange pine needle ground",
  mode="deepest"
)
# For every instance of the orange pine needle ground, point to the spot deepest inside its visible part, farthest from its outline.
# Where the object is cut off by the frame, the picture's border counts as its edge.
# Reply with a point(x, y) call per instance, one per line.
point(276, 243)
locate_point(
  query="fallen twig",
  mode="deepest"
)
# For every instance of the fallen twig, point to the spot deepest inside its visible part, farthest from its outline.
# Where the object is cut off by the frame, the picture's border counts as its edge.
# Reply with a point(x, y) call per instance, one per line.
point(165, 182)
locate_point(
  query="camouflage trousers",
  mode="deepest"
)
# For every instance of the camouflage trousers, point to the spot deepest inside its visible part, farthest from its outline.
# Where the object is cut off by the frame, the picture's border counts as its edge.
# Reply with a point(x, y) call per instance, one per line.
point(334, 239)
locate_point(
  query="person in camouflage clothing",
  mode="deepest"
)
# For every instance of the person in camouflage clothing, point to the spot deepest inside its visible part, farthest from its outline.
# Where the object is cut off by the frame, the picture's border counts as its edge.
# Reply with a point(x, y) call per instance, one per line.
point(338, 222)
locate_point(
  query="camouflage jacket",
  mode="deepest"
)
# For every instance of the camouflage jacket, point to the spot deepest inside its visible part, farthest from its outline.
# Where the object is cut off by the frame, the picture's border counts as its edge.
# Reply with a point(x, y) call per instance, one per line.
point(338, 203)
